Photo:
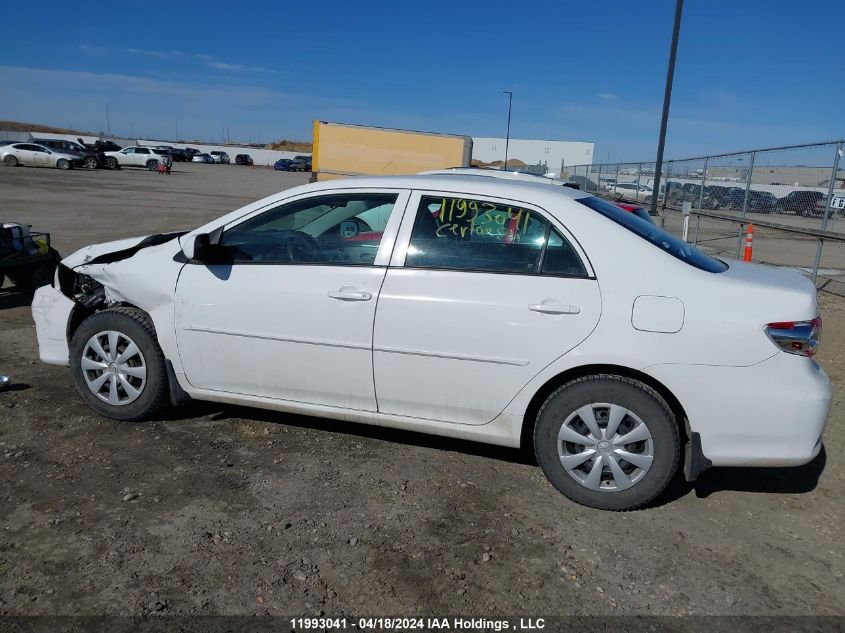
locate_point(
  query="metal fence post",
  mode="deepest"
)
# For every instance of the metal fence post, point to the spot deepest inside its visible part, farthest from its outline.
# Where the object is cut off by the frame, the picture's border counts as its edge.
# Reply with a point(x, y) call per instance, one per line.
point(616, 182)
point(826, 214)
point(639, 175)
point(703, 180)
point(599, 182)
point(745, 203)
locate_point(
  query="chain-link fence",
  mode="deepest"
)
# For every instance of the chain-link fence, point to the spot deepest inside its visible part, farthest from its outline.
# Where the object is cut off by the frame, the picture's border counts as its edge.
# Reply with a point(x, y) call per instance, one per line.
point(794, 196)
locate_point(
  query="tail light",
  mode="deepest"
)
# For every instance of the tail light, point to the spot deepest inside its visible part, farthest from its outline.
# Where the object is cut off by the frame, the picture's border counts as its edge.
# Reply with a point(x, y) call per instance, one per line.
point(796, 337)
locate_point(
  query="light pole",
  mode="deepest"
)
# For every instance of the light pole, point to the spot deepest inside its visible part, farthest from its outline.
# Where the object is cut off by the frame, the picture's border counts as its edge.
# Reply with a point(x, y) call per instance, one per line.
point(667, 97)
point(508, 135)
point(108, 119)
point(177, 127)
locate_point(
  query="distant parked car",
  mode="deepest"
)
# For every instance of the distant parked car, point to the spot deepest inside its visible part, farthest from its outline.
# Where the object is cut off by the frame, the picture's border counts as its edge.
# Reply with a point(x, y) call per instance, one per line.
point(633, 191)
point(284, 164)
point(758, 202)
point(191, 152)
point(718, 197)
point(243, 159)
point(37, 155)
point(179, 155)
point(220, 157)
point(137, 156)
point(106, 146)
point(89, 158)
point(302, 163)
point(802, 202)
point(202, 158)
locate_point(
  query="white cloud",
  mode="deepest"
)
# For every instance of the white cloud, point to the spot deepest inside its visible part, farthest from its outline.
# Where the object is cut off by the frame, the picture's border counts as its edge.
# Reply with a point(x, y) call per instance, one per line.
point(159, 54)
point(607, 96)
point(239, 68)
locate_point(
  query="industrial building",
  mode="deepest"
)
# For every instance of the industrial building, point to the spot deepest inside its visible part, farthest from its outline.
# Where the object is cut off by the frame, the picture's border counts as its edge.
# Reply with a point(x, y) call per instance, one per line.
point(552, 155)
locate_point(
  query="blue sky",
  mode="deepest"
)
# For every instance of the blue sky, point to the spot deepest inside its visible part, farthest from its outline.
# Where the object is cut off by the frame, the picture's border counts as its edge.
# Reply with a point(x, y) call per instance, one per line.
point(750, 73)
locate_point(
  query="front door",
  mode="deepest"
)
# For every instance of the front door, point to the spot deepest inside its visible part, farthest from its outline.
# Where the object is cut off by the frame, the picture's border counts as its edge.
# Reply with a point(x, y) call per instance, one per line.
point(291, 316)
point(481, 295)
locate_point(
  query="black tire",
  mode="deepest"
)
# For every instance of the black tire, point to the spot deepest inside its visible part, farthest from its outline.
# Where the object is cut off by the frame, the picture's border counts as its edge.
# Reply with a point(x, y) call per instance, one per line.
point(152, 165)
point(111, 162)
point(63, 163)
point(639, 399)
point(10, 161)
point(90, 163)
point(139, 328)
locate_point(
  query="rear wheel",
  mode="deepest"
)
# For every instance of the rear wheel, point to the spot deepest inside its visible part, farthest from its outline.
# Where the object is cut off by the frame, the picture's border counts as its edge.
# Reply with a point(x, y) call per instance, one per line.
point(90, 163)
point(607, 442)
point(63, 163)
point(10, 161)
point(117, 365)
point(152, 165)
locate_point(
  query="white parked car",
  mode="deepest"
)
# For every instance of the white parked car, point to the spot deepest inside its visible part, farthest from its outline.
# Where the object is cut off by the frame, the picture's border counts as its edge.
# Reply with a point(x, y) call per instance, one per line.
point(136, 156)
point(31, 154)
point(508, 312)
point(220, 157)
point(633, 191)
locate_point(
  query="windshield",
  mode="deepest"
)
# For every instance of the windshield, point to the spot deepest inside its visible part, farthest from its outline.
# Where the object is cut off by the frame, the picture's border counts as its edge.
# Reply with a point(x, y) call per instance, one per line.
point(658, 237)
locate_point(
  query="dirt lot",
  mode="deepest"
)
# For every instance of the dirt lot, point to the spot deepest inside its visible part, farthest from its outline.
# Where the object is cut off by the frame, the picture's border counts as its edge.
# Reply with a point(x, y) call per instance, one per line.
point(223, 510)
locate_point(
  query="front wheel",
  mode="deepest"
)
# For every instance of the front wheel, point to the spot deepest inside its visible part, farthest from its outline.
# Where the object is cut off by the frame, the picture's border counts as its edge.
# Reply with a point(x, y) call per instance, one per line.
point(111, 162)
point(607, 442)
point(90, 163)
point(117, 365)
point(63, 163)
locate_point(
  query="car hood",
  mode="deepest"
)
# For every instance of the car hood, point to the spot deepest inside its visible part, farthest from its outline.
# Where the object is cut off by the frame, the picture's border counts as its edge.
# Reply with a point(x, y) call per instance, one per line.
point(108, 252)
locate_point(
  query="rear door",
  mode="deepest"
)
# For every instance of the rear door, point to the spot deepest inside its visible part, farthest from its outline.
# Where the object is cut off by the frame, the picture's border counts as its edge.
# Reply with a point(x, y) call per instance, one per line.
point(481, 294)
point(141, 156)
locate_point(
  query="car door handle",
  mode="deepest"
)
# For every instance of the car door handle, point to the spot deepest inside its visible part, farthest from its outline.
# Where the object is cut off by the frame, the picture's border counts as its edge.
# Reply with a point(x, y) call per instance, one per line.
point(350, 294)
point(554, 308)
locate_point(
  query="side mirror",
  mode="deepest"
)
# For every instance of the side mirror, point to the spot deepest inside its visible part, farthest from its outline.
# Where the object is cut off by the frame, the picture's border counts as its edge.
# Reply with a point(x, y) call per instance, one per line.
point(196, 248)
point(203, 248)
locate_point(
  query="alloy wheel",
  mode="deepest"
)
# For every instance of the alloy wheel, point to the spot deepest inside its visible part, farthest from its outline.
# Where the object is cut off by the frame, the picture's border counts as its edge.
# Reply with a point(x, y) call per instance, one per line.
point(114, 368)
point(605, 447)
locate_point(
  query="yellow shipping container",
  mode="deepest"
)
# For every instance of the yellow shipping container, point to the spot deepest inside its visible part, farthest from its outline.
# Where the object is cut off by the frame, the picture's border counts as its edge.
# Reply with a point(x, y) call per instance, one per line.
point(342, 149)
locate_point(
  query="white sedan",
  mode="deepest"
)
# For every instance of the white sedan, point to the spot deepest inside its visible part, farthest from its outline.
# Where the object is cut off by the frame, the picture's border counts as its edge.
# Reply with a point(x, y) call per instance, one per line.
point(633, 191)
point(479, 308)
point(136, 156)
point(16, 154)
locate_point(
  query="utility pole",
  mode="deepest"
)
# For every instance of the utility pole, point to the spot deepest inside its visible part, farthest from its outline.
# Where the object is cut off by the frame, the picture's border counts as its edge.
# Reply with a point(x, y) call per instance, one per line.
point(108, 119)
point(667, 97)
point(177, 128)
point(508, 135)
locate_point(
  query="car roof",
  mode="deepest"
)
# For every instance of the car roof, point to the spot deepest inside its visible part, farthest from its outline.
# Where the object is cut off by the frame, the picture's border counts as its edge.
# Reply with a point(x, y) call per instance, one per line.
point(496, 187)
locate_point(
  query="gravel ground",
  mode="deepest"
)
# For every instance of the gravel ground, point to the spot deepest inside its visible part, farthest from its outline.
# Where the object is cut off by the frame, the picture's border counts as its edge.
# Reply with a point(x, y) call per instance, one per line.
point(216, 509)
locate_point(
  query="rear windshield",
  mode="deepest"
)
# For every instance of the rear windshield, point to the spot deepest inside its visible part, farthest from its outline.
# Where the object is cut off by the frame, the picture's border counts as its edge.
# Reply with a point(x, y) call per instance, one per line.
point(654, 234)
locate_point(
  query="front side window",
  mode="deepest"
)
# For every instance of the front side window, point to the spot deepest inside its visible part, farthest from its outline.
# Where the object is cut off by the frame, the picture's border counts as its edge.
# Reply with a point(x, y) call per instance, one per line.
point(141, 150)
point(341, 229)
point(478, 235)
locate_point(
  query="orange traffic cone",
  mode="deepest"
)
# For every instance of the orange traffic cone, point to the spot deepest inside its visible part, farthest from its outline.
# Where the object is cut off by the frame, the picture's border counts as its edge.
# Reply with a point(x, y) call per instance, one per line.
point(749, 243)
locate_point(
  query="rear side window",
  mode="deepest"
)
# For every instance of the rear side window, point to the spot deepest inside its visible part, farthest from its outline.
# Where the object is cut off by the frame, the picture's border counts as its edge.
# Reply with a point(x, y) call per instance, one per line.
point(478, 235)
point(654, 234)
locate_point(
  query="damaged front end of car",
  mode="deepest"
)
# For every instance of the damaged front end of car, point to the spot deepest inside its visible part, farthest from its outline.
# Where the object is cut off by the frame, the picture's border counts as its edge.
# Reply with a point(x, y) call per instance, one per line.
point(137, 272)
